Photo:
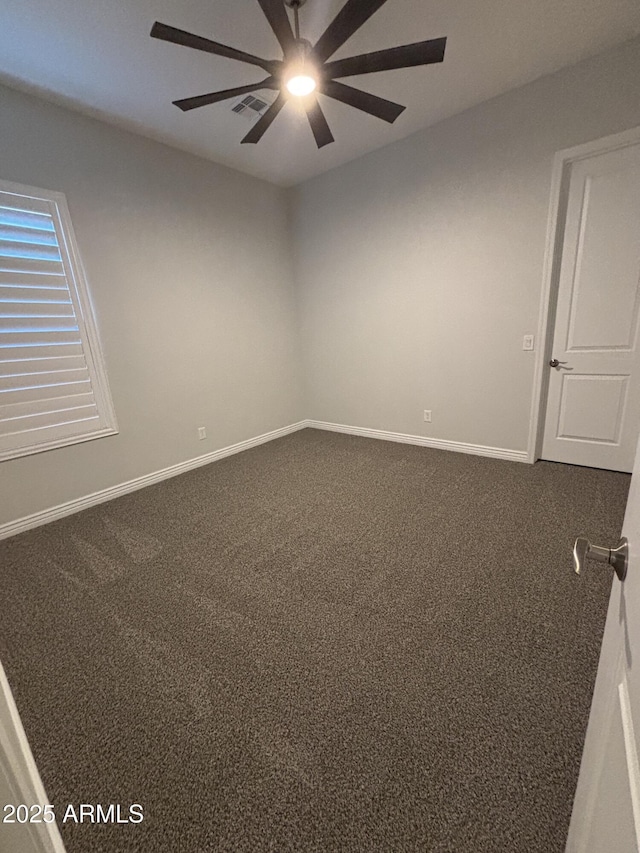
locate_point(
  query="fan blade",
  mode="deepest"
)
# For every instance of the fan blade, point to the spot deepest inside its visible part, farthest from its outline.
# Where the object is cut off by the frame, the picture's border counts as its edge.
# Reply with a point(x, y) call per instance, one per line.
point(365, 101)
point(406, 56)
point(350, 18)
point(186, 104)
point(279, 22)
point(167, 33)
point(319, 126)
point(257, 131)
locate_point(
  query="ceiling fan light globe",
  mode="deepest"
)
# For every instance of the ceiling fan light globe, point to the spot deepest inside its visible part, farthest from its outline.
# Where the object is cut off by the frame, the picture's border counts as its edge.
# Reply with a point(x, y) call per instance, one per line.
point(301, 85)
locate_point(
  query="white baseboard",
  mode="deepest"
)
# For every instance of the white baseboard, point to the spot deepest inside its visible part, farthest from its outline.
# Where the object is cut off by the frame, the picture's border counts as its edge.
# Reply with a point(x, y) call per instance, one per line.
point(424, 441)
point(45, 516)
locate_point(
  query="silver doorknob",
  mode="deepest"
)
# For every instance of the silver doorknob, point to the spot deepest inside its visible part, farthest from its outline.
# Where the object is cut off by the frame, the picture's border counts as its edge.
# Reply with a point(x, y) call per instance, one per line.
point(617, 557)
point(555, 363)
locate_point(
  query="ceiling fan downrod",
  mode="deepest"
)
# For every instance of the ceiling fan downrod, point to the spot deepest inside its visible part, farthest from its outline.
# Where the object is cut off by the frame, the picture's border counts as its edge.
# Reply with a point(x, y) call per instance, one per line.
point(295, 5)
point(296, 21)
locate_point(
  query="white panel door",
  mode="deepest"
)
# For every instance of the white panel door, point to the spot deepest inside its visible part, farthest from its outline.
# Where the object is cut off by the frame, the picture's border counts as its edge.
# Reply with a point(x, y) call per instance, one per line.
point(593, 403)
point(606, 809)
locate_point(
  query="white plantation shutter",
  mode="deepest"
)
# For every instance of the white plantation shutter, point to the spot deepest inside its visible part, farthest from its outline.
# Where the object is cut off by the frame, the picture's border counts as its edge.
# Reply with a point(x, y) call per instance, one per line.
point(53, 388)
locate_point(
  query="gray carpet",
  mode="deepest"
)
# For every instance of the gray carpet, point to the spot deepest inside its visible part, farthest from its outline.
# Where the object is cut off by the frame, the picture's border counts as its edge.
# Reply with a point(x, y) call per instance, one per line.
point(323, 644)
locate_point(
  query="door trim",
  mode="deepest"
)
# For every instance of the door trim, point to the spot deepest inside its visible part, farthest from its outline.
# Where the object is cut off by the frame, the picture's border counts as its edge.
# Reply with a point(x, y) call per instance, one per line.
point(633, 767)
point(17, 760)
point(551, 270)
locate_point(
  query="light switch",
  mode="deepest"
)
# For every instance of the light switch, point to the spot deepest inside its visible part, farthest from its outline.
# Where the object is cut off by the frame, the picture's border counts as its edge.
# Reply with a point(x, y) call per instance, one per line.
point(527, 342)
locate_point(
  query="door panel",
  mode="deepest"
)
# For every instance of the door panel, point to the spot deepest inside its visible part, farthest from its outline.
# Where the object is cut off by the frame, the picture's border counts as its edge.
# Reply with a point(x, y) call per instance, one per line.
point(602, 396)
point(593, 403)
point(607, 264)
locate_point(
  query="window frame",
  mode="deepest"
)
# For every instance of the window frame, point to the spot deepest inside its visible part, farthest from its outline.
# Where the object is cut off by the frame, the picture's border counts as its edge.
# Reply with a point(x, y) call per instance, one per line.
point(85, 314)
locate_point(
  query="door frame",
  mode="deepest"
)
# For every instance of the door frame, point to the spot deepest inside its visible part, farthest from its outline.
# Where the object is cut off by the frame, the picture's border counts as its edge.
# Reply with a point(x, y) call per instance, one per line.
point(562, 162)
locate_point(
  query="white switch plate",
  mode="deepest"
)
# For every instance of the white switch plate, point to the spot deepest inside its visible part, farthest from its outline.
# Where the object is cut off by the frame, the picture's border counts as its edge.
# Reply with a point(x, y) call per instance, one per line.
point(427, 415)
point(202, 432)
point(527, 342)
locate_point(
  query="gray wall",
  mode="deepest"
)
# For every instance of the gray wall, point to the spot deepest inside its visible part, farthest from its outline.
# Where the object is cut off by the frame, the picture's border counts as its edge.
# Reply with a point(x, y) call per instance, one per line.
point(419, 266)
point(189, 268)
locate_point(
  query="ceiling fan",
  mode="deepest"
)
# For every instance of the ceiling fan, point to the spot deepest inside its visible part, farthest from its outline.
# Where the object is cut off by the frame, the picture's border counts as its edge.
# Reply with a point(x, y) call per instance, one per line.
point(304, 69)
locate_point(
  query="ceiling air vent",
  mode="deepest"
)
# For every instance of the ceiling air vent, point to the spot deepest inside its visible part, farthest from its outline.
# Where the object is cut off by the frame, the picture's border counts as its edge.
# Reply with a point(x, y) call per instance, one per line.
point(250, 107)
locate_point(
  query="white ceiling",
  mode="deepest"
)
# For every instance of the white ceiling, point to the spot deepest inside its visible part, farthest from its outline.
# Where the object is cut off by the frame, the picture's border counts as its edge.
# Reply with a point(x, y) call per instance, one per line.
point(98, 57)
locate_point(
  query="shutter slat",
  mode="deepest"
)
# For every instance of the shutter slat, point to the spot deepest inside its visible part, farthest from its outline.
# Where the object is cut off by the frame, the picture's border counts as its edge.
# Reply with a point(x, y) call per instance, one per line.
point(18, 295)
point(47, 406)
point(36, 325)
point(25, 208)
point(26, 279)
point(13, 310)
point(31, 265)
point(44, 392)
point(21, 339)
point(18, 425)
point(27, 234)
point(16, 383)
point(37, 366)
point(40, 351)
point(10, 249)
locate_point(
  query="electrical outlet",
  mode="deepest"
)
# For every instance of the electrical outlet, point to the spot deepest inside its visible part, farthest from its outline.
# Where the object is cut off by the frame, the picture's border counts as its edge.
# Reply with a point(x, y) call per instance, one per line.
point(427, 415)
point(202, 433)
point(527, 343)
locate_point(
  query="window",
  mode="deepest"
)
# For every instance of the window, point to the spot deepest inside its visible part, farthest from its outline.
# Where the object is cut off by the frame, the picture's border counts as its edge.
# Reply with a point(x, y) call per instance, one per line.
point(53, 385)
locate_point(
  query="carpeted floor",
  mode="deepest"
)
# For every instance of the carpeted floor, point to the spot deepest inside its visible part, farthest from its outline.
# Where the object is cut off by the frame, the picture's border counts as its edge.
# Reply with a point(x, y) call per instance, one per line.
point(323, 644)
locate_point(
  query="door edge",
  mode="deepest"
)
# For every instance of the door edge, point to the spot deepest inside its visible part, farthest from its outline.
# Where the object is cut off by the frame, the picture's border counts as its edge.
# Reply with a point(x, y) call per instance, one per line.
point(18, 760)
